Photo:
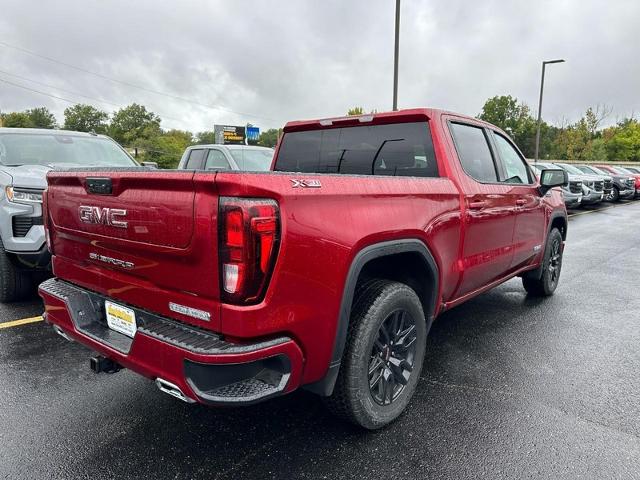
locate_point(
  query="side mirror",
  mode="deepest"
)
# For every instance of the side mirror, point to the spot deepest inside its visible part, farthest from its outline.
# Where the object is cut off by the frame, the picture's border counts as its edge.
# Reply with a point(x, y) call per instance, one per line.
point(552, 177)
point(149, 164)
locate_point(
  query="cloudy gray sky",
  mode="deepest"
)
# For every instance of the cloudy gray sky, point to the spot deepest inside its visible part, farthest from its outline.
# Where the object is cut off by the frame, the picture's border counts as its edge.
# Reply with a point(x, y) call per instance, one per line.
point(284, 60)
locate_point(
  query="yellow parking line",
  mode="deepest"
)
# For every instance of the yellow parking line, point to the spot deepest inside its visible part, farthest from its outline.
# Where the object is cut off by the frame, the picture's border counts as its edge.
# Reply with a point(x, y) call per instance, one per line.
point(23, 321)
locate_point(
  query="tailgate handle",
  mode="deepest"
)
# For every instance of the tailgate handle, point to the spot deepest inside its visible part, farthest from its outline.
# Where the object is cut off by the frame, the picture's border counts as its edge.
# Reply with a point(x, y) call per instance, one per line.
point(101, 186)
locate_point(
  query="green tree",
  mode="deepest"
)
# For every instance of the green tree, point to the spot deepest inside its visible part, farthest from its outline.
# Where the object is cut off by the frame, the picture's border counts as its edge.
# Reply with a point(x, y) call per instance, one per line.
point(133, 123)
point(41, 117)
point(269, 138)
point(85, 118)
point(166, 148)
point(206, 138)
point(505, 112)
point(16, 120)
point(622, 142)
point(584, 140)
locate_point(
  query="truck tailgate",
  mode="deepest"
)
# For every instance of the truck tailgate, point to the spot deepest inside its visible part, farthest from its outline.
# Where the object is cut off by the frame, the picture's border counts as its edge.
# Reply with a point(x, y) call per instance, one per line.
point(137, 236)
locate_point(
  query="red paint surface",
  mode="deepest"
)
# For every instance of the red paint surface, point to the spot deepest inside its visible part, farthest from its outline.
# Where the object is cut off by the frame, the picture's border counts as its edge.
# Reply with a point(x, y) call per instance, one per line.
point(175, 254)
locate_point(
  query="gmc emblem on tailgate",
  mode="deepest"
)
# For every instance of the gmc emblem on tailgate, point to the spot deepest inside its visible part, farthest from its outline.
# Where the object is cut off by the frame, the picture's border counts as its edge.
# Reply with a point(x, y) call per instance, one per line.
point(103, 216)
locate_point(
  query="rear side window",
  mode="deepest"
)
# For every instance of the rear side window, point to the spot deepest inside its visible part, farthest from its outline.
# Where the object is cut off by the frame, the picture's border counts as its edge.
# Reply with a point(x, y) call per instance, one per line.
point(474, 153)
point(401, 149)
point(195, 160)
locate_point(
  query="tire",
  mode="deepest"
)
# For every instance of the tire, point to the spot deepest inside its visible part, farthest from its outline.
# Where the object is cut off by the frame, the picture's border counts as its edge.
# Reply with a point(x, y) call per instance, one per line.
point(14, 284)
point(546, 283)
point(615, 195)
point(386, 341)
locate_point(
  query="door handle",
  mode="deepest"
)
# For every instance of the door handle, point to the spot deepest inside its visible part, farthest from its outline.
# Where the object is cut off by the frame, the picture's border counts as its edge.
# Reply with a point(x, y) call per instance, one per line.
point(520, 202)
point(477, 205)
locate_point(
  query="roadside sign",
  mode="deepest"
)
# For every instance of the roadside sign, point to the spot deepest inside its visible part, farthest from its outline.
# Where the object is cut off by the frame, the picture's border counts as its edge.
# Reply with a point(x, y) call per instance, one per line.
point(253, 134)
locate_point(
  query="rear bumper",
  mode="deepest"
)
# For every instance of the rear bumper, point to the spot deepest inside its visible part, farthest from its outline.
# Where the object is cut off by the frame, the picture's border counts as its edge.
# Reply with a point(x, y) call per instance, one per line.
point(205, 367)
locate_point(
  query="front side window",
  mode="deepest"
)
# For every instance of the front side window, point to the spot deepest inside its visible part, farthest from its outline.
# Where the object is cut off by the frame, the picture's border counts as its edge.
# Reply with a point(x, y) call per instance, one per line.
point(474, 153)
point(195, 160)
point(516, 170)
point(216, 161)
point(399, 149)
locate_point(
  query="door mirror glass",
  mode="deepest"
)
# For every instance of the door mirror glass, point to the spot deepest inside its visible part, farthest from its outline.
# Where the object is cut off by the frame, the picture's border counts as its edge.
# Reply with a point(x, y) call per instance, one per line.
point(552, 177)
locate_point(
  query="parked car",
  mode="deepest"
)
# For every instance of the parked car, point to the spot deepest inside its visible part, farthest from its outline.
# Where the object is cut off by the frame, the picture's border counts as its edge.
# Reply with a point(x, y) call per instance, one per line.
point(571, 192)
point(633, 169)
point(633, 180)
point(26, 155)
point(623, 185)
point(607, 180)
point(229, 288)
point(636, 176)
point(227, 157)
point(593, 186)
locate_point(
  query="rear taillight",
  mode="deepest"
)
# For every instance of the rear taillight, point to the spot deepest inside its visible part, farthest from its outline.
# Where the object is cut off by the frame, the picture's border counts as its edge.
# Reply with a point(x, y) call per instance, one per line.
point(248, 241)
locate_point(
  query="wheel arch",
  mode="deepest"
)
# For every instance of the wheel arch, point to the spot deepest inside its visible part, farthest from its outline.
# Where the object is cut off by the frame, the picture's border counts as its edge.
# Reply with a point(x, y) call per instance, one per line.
point(558, 220)
point(421, 273)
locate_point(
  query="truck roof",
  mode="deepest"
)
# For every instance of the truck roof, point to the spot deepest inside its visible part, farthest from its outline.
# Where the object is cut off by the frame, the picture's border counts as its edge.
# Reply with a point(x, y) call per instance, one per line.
point(406, 115)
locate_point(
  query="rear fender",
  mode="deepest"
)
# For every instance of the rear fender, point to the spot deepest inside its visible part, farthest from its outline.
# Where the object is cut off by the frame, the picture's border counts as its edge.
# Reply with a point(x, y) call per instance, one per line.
point(325, 386)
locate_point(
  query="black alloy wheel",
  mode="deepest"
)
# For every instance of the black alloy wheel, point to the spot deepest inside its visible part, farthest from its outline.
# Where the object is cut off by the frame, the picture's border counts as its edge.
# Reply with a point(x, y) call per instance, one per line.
point(384, 352)
point(555, 262)
point(392, 357)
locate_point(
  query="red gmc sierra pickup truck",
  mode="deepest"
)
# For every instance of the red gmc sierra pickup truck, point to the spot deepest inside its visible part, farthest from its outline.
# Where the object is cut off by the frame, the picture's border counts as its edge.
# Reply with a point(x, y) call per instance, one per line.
point(228, 288)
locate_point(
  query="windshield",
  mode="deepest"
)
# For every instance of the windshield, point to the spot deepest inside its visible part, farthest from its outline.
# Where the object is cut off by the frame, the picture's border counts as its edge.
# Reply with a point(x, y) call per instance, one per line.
point(252, 159)
point(622, 170)
point(599, 171)
point(569, 168)
point(586, 169)
point(37, 149)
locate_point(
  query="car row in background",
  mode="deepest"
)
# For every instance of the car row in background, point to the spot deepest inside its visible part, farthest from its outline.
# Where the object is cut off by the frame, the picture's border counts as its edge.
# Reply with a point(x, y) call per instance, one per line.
point(633, 177)
point(592, 184)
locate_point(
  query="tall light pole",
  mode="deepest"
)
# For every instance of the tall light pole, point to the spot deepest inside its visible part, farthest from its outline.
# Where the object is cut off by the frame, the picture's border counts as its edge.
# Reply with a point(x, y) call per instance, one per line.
point(544, 64)
point(395, 58)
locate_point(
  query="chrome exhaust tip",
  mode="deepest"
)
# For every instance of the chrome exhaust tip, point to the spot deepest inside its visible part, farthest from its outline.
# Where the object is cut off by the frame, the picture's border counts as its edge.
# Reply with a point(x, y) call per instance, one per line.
point(62, 333)
point(173, 390)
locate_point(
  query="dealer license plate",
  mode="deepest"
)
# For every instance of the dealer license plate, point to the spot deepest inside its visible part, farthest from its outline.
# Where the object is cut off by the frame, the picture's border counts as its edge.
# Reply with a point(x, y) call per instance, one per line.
point(121, 319)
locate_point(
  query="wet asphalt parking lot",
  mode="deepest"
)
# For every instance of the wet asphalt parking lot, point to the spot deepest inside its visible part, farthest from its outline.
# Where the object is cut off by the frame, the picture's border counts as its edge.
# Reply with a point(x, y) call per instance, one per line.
point(512, 387)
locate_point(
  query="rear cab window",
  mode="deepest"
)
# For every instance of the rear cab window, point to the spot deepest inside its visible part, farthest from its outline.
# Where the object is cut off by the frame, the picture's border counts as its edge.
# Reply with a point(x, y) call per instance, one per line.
point(396, 149)
point(474, 152)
